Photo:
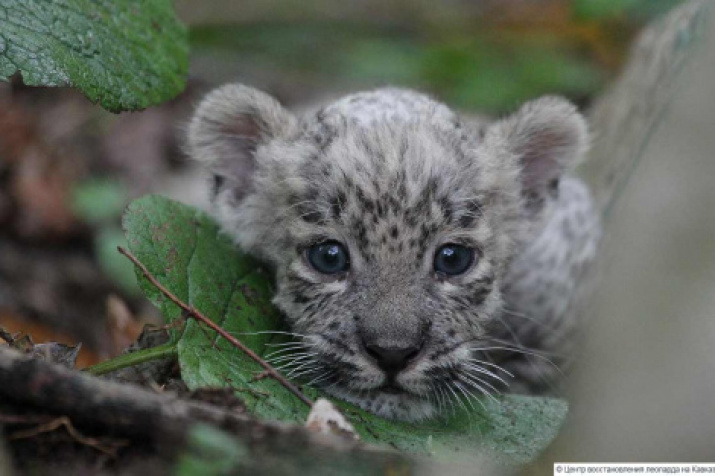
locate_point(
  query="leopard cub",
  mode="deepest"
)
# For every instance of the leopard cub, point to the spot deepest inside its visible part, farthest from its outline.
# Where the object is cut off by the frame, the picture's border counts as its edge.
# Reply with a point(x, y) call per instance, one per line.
point(421, 259)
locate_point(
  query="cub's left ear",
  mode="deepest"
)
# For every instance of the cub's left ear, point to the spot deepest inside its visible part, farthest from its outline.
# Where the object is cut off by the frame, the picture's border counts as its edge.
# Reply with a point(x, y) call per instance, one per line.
point(547, 137)
point(228, 128)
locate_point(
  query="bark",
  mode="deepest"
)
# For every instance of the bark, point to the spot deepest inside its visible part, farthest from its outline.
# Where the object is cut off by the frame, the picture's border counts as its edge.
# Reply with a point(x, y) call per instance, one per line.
point(625, 118)
point(167, 422)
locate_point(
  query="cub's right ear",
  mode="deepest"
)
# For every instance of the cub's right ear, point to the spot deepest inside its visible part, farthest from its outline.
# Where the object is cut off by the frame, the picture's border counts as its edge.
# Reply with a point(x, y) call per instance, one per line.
point(229, 126)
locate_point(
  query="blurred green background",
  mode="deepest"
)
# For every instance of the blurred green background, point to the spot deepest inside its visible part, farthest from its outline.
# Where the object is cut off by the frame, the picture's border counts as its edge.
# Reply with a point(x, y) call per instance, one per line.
point(486, 55)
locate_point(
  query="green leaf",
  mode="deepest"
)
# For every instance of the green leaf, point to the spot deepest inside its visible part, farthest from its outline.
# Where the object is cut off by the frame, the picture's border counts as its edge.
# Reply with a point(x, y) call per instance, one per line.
point(210, 452)
point(634, 10)
point(184, 249)
point(600, 9)
point(125, 55)
point(513, 429)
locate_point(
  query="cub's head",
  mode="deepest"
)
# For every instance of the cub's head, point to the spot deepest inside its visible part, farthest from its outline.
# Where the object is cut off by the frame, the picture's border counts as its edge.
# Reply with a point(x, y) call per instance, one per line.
point(389, 224)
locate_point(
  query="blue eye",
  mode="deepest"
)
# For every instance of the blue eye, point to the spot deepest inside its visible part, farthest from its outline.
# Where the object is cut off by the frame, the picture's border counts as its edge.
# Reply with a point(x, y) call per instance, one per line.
point(329, 257)
point(452, 260)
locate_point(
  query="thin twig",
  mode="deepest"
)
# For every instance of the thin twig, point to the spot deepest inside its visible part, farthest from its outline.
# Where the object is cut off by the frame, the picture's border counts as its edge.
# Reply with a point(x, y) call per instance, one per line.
point(260, 376)
point(191, 312)
point(49, 425)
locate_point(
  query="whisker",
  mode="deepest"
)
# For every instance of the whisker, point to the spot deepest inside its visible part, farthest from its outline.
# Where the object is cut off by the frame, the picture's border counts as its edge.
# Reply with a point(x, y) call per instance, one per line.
point(292, 334)
point(284, 344)
point(290, 366)
point(321, 377)
point(481, 370)
point(306, 202)
point(485, 392)
point(308, 363)
point(491, 364)
point(443, 399)
point(288, 345)
point(456, 397)
point(521, 346)
point(288, 350)
point(546, 326)
point(292, 358)
point(476, 382)
point(469, 396)
point(530, 361)
point(433, 395)
point(305, 373)
point(471, 375)
point(534, 354)
point(514, 349)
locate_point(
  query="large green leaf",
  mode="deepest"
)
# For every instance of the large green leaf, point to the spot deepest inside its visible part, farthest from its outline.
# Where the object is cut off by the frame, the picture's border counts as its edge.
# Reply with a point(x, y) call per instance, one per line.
point(125, 55)
point(184, 249)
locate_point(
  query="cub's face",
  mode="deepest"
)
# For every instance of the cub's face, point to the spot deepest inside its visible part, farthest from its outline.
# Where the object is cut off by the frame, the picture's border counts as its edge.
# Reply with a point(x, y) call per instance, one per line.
point(389, 225)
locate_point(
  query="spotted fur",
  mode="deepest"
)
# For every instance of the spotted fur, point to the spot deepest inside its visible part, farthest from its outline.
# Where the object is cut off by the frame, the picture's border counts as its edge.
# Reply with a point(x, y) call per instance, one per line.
point(393, 174)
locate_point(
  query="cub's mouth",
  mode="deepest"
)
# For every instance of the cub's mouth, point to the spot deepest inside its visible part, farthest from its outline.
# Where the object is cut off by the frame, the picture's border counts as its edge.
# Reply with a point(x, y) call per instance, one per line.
point(412, 387)
point(391, 388)
point(389, 401)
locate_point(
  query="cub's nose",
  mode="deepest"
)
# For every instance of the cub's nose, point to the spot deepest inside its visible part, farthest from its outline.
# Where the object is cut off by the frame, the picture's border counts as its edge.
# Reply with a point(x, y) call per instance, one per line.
point(392, 359)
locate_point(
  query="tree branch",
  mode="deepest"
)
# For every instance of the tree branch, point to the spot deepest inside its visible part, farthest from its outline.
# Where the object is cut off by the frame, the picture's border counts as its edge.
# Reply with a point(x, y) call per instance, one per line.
point(193, 313)
point(167, 422)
